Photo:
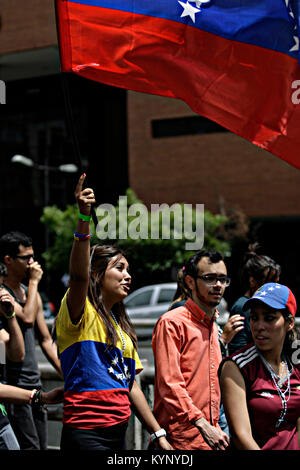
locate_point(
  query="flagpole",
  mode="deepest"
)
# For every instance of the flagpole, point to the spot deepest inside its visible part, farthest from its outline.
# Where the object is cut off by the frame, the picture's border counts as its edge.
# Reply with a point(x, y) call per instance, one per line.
point(75, 142)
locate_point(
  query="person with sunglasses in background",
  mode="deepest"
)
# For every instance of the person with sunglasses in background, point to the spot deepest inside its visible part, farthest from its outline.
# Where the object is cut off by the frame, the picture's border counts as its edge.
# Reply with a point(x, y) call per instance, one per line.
point(187, 356)
point(12, 346)
point(232, 327)
point(22, 282)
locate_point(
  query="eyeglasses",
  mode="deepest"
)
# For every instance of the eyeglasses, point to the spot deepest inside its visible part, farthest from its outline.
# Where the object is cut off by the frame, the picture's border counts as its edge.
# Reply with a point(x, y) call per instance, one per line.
point(211, 279)
point(24, 257)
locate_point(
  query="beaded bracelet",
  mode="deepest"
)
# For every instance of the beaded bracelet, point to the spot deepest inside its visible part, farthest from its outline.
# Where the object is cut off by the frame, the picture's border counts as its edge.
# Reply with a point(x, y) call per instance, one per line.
point(84, 217)
point(82, 237)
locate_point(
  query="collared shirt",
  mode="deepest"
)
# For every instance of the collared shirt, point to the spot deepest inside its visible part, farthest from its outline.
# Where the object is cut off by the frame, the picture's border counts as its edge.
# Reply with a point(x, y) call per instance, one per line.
point(187, 356)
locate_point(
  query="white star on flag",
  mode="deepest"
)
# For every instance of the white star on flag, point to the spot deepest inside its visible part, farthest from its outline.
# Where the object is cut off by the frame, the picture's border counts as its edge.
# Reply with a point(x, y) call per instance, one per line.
point(189, 10)
point(115, 361)
point(199, 2)
point(263, 293)
point(271, 288)
point(111, 370)
point(296, 46)
point(277, 287)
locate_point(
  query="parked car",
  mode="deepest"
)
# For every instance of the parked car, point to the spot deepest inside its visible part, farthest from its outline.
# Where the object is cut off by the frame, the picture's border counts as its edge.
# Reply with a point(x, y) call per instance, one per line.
point(150, 302)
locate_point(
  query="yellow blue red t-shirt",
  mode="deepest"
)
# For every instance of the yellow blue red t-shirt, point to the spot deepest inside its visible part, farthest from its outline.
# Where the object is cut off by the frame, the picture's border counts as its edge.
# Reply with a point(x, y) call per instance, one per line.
point(97, 378)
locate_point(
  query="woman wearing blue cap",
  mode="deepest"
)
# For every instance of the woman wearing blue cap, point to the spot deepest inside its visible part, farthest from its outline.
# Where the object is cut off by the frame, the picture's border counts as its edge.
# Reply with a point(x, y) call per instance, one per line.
point(261, 383)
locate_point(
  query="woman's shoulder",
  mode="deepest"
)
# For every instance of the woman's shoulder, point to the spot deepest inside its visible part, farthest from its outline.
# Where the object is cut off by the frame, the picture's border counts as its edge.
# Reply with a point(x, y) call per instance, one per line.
point(245, 359)
point(63, 317)
point(245, 355)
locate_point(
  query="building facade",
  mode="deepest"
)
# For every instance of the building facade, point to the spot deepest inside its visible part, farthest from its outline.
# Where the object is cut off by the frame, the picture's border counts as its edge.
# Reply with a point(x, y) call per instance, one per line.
point(155, 145)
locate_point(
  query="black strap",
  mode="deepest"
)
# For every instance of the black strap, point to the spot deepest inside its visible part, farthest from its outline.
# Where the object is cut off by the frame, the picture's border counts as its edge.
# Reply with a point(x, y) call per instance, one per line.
point(71, 127)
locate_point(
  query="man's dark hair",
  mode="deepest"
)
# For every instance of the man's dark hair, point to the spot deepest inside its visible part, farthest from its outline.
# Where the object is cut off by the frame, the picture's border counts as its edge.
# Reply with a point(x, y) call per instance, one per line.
point(262, 268)
point(191, 265)
point(10, 242)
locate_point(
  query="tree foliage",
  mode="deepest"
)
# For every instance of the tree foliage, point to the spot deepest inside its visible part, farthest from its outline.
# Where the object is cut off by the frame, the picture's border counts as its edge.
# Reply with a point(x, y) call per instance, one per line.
point(150, 259)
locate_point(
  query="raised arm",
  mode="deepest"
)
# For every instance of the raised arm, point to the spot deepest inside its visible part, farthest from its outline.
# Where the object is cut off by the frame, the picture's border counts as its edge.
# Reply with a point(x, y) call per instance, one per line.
point(29, 312)
point(80, 254)
point(235, 406)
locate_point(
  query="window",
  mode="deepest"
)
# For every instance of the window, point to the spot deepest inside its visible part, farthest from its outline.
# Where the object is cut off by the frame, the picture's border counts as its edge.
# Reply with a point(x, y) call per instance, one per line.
point(166, 296)
point(184, 126)
point(140, 300)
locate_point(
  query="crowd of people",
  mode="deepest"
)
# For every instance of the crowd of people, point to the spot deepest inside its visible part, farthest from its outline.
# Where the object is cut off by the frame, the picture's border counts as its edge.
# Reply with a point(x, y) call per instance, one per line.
point(230, 388)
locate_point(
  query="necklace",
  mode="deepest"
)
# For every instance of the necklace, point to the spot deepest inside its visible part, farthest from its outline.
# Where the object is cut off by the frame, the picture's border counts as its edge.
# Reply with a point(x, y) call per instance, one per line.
point(278, 382)
point(121, 333)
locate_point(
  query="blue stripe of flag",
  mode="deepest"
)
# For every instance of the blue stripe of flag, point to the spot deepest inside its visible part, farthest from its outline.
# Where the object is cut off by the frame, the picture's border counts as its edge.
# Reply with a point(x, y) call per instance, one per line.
point(86, 366)
point(264, 23)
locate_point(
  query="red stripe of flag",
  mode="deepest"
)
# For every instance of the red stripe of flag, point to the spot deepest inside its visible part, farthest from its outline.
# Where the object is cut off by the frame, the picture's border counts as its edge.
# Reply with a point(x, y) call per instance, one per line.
point(96, 408)
point(245, 88)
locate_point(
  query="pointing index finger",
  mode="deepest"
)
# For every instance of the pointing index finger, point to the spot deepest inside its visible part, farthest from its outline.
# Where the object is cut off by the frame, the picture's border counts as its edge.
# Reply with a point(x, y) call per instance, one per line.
point(80, 183)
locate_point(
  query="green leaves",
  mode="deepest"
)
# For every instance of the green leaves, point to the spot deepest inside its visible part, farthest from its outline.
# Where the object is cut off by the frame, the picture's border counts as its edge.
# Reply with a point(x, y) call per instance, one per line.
point(147, 255)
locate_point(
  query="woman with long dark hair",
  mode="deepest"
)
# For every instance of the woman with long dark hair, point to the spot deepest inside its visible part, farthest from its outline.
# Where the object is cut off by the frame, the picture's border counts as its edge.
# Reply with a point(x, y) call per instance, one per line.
point(97, 345)
point(261, 383)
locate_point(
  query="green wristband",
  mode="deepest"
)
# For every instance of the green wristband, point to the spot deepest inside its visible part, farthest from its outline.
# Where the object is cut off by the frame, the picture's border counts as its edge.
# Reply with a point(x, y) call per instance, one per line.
point(8, 317)
point(84, 217)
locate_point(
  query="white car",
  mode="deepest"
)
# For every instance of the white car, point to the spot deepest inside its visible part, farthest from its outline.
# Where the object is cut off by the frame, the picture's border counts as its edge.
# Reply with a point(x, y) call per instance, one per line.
point(150, 302)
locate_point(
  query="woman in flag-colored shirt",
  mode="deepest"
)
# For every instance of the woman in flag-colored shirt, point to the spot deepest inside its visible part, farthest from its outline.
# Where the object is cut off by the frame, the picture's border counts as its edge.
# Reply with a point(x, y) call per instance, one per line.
point(97, 346)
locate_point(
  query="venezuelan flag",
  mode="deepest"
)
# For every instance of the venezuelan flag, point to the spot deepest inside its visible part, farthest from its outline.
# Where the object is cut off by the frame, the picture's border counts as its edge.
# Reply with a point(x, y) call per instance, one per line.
point(233, 61)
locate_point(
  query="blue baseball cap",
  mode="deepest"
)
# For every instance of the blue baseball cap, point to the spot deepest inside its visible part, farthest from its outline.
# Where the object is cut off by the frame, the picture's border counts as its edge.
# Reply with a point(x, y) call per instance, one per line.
point(275, 296)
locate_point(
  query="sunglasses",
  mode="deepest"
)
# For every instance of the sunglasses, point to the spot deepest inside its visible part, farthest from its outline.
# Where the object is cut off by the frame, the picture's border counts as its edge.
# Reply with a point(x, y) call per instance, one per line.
point(211, 279)
point(24, 257)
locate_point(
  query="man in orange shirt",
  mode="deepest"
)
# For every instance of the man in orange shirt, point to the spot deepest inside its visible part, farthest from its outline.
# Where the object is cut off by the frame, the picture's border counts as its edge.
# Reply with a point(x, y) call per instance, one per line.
point(187, 356)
